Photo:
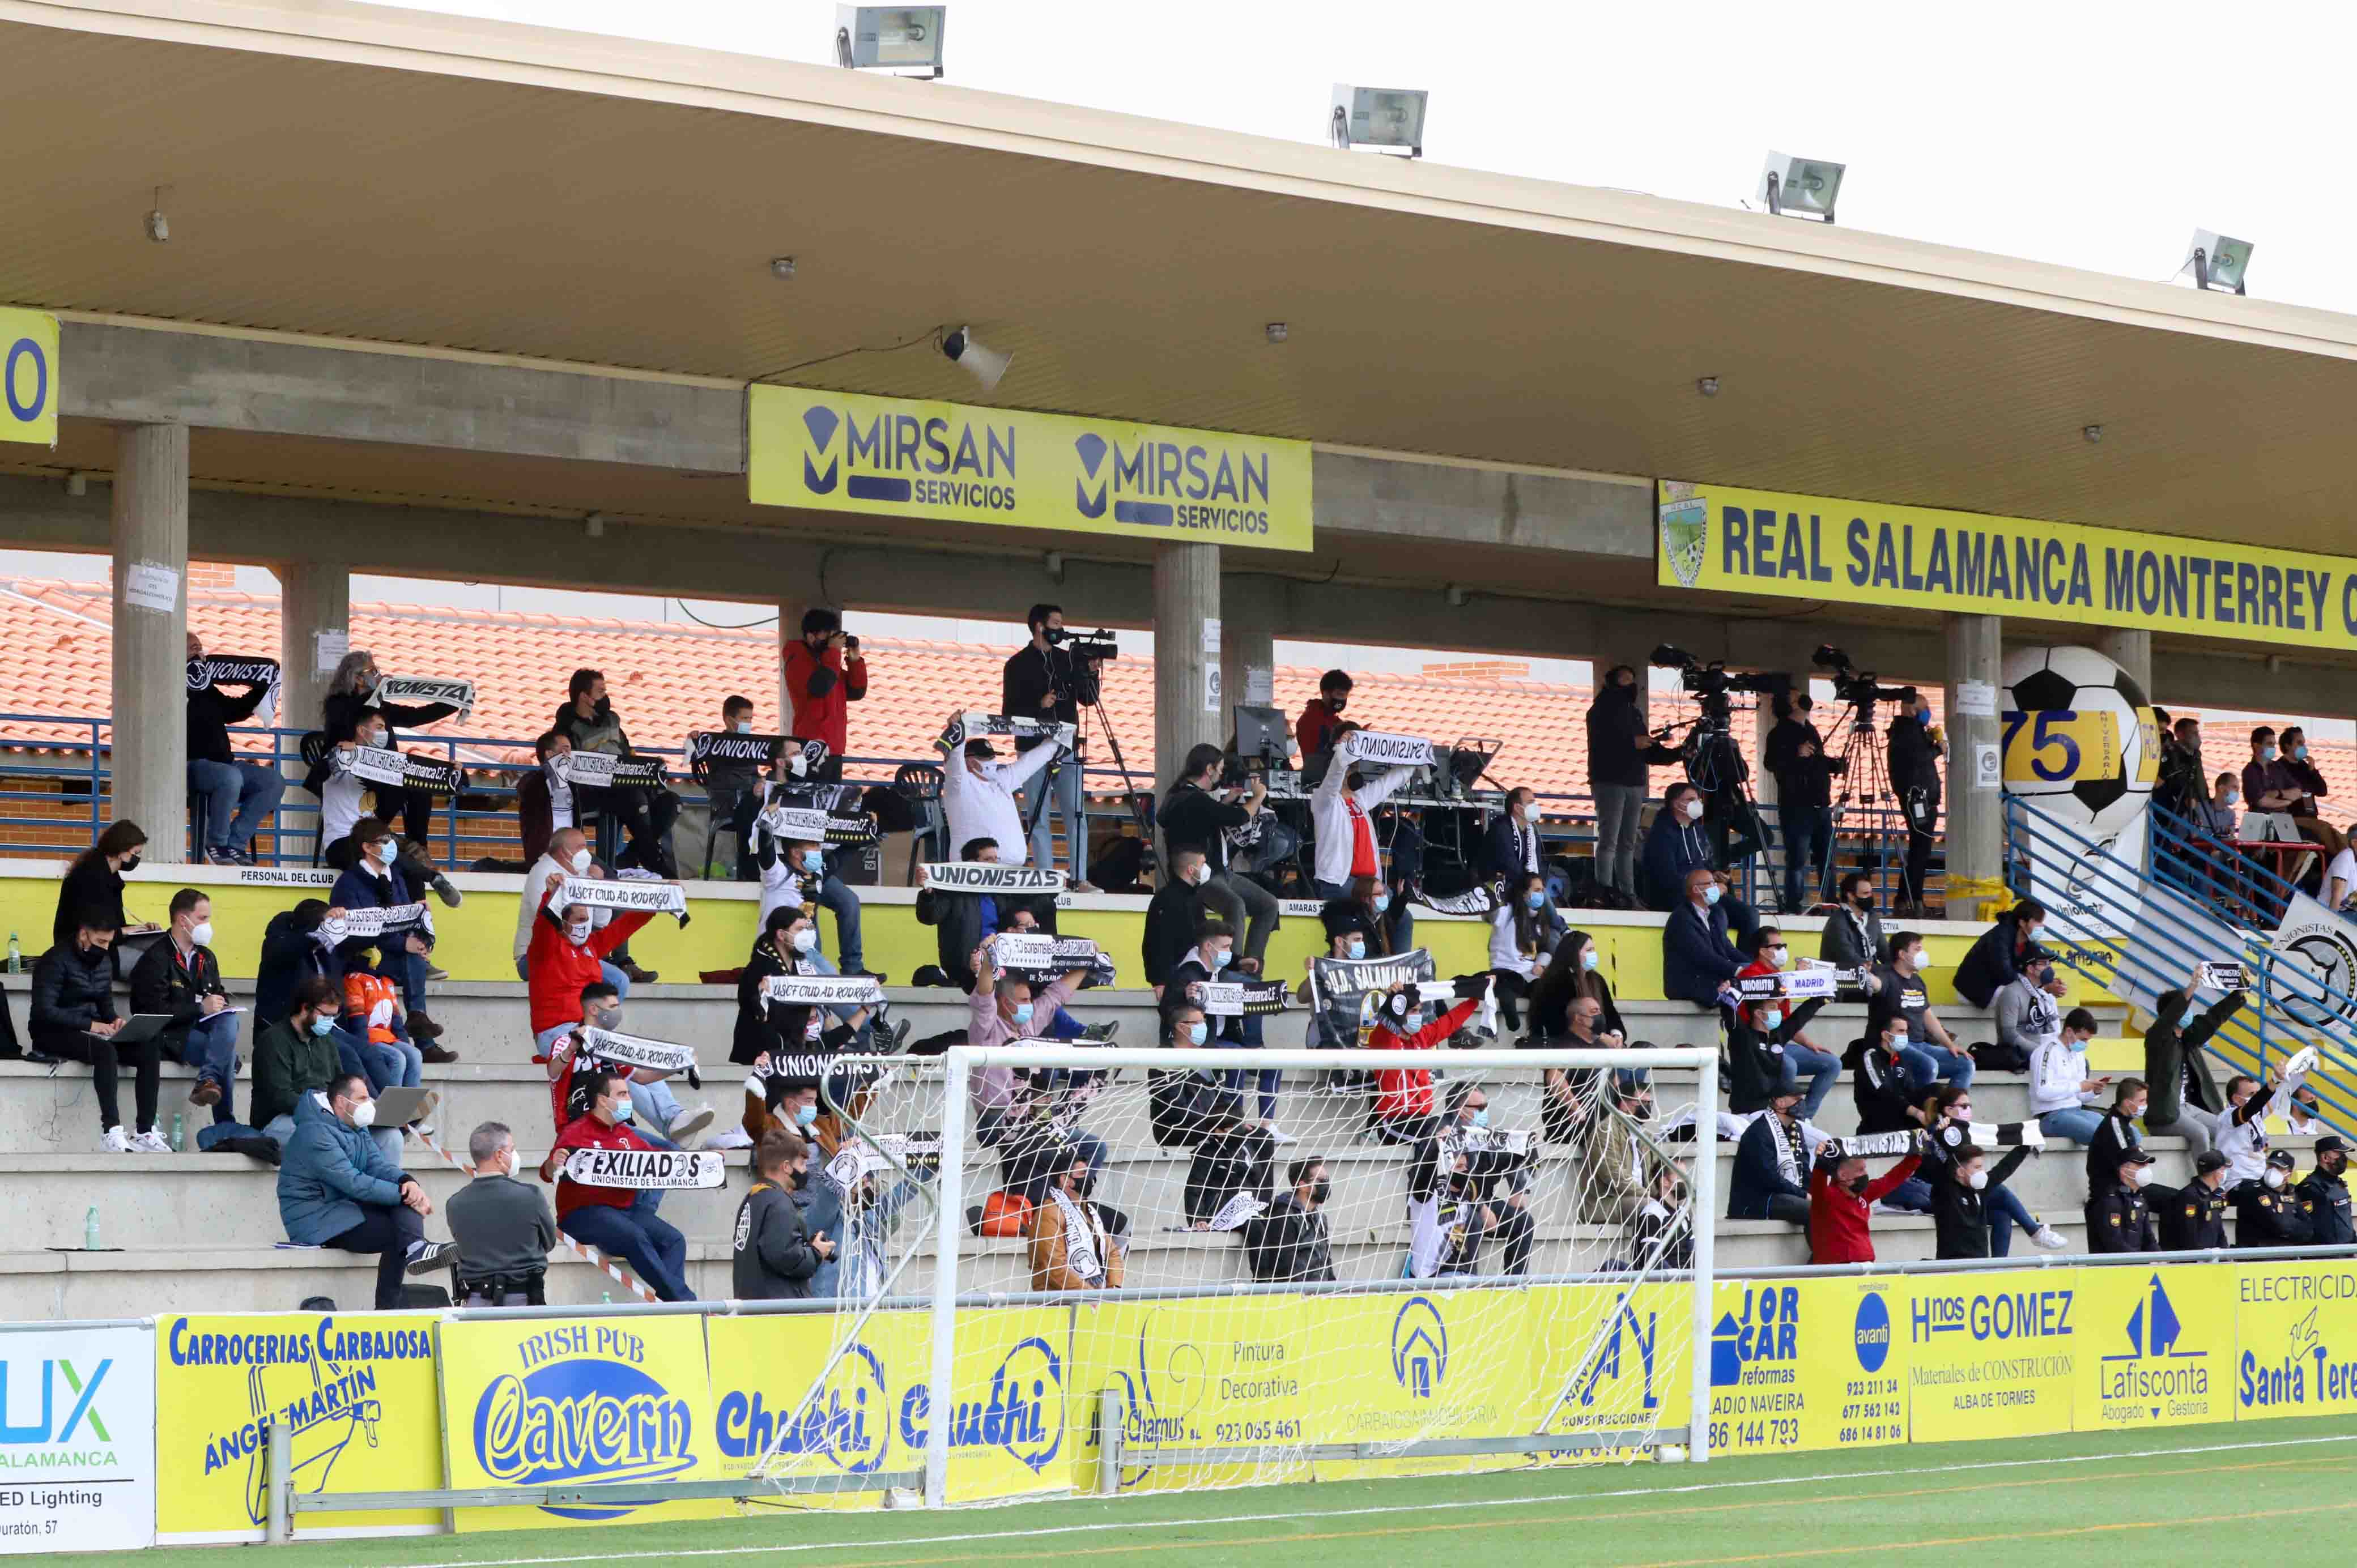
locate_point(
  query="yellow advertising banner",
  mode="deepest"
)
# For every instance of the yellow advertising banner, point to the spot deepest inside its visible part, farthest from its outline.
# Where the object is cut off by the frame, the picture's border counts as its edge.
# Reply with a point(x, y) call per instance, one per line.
point(28, 377)
point(1807, 1364)
point(1722, 538)
point(541, 1400)
point(1992, 1355)
point(2296, 1331)
point(357, 1390)
point(1420, 1368)
point(1608, 1360)
point(1195, 1374)
point(2158, 1346)
point(946, 462)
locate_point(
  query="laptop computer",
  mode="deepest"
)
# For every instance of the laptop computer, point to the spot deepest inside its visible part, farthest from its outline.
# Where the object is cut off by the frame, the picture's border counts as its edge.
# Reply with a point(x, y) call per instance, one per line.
point(398, 1107)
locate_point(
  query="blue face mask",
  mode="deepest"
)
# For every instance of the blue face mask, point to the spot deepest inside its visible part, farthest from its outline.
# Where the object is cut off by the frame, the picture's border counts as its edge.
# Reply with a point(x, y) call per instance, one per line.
point(625, 1111)
point(1219, 957)
point(1710, 894)
point(2299, 753)
point(2267, 754)
point(805, 1115)
point(1358, 947)
point(1382, 902)
point(1198, 1033)
point(2190, 1012)
point(1587, 959)
point(1023, 1012)
point(323, 1026)
point(1481, 1118)
point(1535, 898)
point(2034, 931)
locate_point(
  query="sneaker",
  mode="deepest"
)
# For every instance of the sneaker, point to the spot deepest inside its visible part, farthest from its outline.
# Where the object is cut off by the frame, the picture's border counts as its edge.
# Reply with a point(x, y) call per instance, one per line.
point(244, 856)
point(439, 1055)
point(220, 856)
point(433, 1256)
point(423, 1028)
point(900, 1034)
point(1102, 1034)
point(115, 1142)
point(1084, 887)
point(148, 1143)
point(206, 1092)
point(1279, 1136)
point(735, 1137)
point(2046, 1236)
point(688, 1124)
point(446, 892)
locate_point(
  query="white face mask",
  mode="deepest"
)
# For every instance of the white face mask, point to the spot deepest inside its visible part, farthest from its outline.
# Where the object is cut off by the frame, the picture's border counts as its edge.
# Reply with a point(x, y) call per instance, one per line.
point(580, 862)
point(373, 738)
point(806, 939)
point(1693, 808)
point(1201, 873)
point(577, 932)
point(364, 1113)
point(2272, 1177)
point(200, 935)
point(1976, 1180)
point(2133, 1176)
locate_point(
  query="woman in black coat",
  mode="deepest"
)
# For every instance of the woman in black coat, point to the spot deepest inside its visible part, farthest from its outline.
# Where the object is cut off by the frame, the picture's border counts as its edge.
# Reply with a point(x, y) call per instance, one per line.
point(348, 702)
point(91, 894)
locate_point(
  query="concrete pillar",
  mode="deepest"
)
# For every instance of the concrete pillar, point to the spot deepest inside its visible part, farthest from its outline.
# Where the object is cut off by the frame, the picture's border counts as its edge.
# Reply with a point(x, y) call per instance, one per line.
point(1763, 790)
point(1190, 707)
point(315, 599)
point(1247, 646)
point(1975, 825)
point(151, 633)
point(2131, 651)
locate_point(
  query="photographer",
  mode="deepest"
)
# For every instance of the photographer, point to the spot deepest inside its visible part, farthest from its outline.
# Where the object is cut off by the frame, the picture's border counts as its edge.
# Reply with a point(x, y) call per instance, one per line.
point(1914, 750)
point(1618, 752)
point(1196, 812)
point(1796, 756)
point(824, 673)
point(1044, 681)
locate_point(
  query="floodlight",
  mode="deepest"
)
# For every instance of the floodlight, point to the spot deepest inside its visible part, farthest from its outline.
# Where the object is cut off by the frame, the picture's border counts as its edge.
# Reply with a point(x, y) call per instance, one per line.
point(890, 38)
point(1378, 118)
point(984, 365)
point(2217, 261)
point(1801, 187)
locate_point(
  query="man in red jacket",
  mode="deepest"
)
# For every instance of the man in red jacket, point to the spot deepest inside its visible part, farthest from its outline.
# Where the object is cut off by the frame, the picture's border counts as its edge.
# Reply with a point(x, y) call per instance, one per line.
point(1840, 1200)
point(824, 671)
point(1404, 1097)
point(563, 972)
point(616, 1220)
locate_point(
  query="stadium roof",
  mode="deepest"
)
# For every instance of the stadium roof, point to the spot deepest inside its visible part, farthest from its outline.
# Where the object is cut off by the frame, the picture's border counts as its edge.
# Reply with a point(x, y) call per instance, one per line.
point(370, 173)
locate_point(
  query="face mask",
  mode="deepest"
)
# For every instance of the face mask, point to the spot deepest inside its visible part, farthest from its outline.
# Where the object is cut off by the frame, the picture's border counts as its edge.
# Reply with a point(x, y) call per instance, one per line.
point(382, 849)
point(2185, 1014)
point(1642, 1110)
point(1535, 898)
point(806, 1115)
point(1382, 902)
point(2274, 1177)
point(606, 1017)
point(1588, 960)
point(806, 939)
point(744, 727)
point(1770, 1017)
point(2131, 1112)
point(373, 739)
point(1858, 1187)
point(2299, 753)
point(1530, 815)
point(1778, 958)
point(364, 1113)
point(2133, 1176)
point(810, 861)
point(1357, 948)
point(1710, 894)
point(2267, 754)
point(1479, 1117)
point(579, 862)
point(2230, 796)
point(1022, 1012)
point(1693, 808)
point(1321, 1191)
point(2034, 931)
point(1862, 900)
point(131, 864)
point(1219, 957)
point(322, 1028)
point(1976, 1180)
point(577, 933)
point(1201, 874)
point(1198, 1033)
point(201, 934)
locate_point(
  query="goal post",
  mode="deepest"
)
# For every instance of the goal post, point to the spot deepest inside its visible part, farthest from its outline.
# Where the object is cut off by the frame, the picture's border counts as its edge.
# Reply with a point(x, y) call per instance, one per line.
point(1121, 1268)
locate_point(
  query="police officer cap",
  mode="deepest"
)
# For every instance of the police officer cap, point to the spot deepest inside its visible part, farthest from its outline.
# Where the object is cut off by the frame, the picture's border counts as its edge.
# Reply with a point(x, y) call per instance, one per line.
point(2332, 1146)
point(2138, 1156)
point(2282, 1159)
point(2208, 1160)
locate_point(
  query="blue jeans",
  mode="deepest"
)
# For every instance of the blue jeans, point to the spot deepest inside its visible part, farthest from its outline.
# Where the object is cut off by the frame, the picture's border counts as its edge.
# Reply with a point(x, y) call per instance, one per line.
point(1913, 1195)
point(2076, 1123)
point(404, 968)
point(1062, 780)
point(656, 1252)
point(1808, 838)
point(837, 899)
point(212, 1049)
point(1821, 1069)
point(2004, 1212)
point(235, 797)
point(1940, 1066)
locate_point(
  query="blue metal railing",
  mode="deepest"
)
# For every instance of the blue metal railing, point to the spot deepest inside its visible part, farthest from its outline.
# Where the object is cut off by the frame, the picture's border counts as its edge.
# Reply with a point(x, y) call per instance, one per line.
point(2169, 931)
point(2239, 886)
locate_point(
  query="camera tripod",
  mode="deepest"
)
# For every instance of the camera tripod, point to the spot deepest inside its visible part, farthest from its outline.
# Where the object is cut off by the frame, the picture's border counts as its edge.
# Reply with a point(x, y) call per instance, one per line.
point(1066, 690)
point(1865, 783)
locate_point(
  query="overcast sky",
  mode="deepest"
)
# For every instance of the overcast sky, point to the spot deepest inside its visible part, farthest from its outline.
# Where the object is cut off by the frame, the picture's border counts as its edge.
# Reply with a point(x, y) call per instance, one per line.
point(2090, 133)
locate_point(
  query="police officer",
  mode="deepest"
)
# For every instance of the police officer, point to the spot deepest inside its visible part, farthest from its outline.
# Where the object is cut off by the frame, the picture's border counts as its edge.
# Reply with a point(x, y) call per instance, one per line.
point(2265, 1212)
point(2323, 1197)
point(2120, 1217)
point(2193, 1219)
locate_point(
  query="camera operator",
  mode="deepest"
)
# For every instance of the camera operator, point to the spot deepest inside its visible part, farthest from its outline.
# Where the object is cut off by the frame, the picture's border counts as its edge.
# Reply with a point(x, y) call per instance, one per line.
point(1915, 748)
point(1796, 756)
point(1044, 681)
point(824, 671)
point(1197, 811)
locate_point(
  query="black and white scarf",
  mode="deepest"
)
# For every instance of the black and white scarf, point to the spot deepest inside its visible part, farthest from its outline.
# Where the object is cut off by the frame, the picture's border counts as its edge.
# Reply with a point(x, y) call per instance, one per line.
point(1081, 1254)
point(399, 770)
point(238, 669)
point(425, 690)
point(628, 895)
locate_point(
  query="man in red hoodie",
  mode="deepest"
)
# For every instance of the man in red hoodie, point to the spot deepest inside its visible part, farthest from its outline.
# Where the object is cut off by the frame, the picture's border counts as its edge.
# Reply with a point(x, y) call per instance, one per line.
point(564, 971)
point(1404, 1096)
point(1840, 1200)
point(824, 673)
point(615, 1219)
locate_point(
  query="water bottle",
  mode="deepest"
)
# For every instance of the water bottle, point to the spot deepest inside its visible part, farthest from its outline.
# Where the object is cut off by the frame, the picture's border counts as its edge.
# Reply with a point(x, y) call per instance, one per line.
point(16, 955)
point(89, 1229)
point(608, 1296)
point(180, 1133)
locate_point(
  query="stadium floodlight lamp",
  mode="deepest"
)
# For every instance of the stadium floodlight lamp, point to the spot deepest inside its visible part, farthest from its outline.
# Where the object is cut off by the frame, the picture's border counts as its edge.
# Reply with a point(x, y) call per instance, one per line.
point(1801, 187)
point(899, 38)
point(2217, 261)
point(1378, 118)
point(984, 365)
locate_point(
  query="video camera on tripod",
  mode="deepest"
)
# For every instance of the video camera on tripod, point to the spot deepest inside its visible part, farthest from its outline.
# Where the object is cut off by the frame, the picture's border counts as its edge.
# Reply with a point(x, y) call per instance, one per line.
point(1099, 644)
point(1855, 686)
point(1712, 686)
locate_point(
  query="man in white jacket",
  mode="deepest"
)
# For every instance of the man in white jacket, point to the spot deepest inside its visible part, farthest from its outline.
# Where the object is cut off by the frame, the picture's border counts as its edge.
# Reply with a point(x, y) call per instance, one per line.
point(1346, 833)
point(978, 793)
point(2062, 1095)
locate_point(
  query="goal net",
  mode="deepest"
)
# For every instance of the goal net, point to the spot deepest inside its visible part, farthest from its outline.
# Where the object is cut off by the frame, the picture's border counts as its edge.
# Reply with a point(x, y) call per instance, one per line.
point(1138, 1269)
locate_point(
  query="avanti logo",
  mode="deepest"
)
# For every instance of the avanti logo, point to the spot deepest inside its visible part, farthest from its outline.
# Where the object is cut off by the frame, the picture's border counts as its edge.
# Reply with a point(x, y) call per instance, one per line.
point(1419, 1348)
point(1607, 1363)
point(848, 1421)
point(1023, 1413)
point(46, 1432)
point(1871, 1333)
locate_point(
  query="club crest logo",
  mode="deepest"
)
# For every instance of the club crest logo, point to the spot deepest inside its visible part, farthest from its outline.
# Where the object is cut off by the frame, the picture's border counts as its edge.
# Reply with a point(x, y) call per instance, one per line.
point(1685, 534)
